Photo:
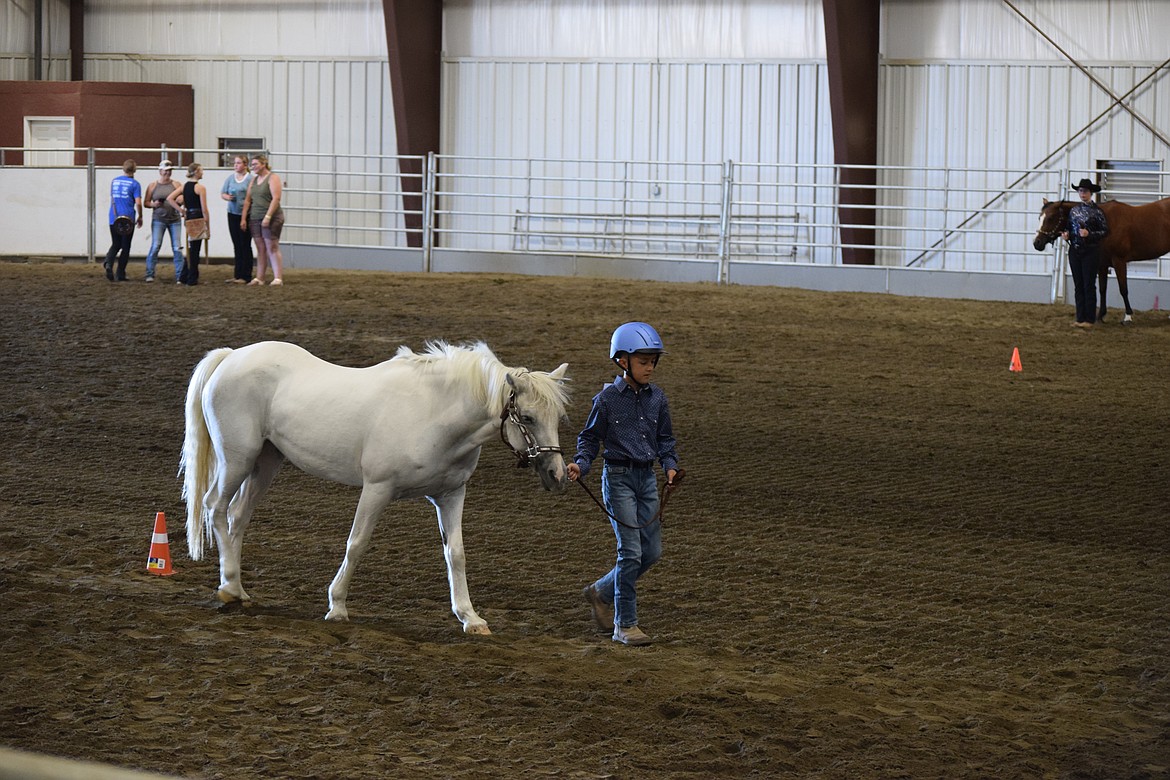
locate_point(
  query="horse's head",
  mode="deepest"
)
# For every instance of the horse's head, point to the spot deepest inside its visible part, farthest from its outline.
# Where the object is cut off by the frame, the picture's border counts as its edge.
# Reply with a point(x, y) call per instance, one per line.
point(530, 421)
point(1053, 217)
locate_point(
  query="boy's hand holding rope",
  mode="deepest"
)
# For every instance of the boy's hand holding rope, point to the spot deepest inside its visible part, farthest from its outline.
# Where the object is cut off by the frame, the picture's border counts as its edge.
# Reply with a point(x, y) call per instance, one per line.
point(667, 490)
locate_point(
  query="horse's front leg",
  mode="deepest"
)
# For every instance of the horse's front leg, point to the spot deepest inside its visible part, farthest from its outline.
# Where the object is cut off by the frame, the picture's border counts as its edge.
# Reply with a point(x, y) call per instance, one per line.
point(373, 501)
point(449, 507)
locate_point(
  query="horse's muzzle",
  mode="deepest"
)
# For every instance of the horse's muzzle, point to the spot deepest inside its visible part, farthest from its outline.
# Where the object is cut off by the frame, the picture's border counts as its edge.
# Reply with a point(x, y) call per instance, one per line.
point(550, 466)
point(1041, 241)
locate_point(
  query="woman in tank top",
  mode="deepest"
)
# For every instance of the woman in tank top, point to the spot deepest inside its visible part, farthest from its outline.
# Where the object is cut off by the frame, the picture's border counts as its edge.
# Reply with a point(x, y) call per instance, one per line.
point(265, 218)
point(191, 201)
point(164, 220)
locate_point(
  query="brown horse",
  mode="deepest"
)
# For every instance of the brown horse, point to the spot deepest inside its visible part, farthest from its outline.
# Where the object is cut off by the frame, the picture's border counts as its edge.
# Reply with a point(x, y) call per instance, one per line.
point(1135, 233)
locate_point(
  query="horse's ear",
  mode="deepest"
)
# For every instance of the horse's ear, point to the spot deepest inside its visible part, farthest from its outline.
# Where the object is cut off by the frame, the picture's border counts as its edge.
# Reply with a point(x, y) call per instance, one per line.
point(518, 379)
point(1046, 201)
point(559, 374)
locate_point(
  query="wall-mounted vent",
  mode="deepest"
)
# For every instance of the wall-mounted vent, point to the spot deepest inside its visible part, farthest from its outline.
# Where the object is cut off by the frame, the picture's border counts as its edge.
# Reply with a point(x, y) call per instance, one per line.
point(1131, 181)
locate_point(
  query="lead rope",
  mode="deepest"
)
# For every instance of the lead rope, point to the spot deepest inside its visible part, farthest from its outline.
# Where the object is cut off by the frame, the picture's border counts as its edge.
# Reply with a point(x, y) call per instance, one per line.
point(667, 489)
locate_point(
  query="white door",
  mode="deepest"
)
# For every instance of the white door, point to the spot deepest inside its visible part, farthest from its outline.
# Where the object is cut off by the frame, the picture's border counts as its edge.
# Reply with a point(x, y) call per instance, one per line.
point(48, 133)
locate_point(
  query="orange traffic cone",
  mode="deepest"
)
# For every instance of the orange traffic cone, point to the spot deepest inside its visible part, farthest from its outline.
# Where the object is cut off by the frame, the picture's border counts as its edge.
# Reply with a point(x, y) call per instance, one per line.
point(1015, 364)
point(159, 561)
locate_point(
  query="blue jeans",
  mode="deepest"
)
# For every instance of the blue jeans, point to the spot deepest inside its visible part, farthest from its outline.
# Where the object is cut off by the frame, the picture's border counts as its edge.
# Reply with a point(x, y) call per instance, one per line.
point(157, 228)
point(631, 495)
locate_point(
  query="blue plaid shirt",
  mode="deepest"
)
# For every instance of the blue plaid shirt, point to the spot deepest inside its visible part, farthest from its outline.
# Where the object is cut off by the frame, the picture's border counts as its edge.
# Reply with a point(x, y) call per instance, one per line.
point(634, 424)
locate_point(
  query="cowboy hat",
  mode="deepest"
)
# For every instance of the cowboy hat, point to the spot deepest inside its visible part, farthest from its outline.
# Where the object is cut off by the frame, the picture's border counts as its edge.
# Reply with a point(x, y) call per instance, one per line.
point(1085, 184)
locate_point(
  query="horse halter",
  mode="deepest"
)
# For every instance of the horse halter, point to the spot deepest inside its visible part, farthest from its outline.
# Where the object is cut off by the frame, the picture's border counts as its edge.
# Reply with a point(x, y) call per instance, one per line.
point(532, 449)
point(1058, 228)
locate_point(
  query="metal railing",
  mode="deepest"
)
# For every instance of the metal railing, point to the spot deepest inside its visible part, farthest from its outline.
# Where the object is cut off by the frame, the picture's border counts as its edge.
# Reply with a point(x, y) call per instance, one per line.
point(961, 219)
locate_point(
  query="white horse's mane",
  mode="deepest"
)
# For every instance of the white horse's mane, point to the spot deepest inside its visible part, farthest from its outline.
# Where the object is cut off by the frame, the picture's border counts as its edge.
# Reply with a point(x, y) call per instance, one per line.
point(475, 365)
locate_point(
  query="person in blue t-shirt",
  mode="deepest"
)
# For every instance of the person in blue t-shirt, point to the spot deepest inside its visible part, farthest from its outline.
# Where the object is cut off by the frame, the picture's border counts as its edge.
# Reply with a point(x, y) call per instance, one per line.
point(125, 216)
point(631, 416)
point(234, 190)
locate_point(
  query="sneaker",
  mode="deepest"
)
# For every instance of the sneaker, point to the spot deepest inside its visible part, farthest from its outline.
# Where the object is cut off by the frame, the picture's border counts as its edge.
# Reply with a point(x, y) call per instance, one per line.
point(109, 270)
point(148, 279)
point(632, 636)
point(602, 612)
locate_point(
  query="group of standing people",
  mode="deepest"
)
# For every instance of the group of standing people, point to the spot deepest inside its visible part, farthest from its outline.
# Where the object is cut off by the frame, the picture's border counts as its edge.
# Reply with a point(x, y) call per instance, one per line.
point(253, 194)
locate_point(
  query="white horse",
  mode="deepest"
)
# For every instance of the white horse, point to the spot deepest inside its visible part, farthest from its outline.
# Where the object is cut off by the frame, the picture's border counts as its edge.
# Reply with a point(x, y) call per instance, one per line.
point(408, 427)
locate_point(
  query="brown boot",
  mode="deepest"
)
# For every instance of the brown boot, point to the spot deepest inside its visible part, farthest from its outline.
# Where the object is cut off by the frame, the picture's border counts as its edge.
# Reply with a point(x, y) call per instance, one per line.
point(632, 636)
point(602, 612)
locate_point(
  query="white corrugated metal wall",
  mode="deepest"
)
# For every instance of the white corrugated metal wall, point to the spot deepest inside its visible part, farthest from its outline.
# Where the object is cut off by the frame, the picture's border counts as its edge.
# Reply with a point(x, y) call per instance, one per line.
point(964, 83)
point(658, 84)
point(967, 83)
point(657, 81)
point(302, 76)
point(970, 84)
point(17, 42)
point(979, 85)
point(643, 111)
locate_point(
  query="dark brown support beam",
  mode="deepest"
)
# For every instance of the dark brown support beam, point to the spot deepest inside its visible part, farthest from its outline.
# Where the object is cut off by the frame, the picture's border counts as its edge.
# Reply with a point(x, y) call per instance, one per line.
point(414, 40)
point(851, 46)
point(77, 40)
point(38, 40)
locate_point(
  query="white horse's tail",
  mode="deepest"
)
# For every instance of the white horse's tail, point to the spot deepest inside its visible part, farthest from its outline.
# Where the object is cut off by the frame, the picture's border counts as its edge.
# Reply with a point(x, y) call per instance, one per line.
point(196, 463)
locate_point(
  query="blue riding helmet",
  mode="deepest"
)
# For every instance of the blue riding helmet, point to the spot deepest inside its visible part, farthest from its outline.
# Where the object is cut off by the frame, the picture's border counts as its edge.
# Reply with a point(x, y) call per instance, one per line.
point(635, 337)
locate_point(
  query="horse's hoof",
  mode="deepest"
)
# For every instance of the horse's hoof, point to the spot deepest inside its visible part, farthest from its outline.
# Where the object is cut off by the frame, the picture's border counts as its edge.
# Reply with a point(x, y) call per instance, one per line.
point(231, 598)
point(337, 615)
point(477, 630)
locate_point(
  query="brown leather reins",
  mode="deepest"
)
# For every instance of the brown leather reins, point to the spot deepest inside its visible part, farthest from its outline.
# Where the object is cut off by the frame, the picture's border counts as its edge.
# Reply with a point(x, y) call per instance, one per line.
point(667, 490)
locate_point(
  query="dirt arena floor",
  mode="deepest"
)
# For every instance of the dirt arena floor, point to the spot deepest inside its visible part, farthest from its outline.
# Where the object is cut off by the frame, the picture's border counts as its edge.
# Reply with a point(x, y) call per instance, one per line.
point(892, 557)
